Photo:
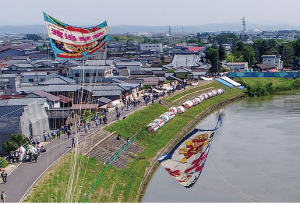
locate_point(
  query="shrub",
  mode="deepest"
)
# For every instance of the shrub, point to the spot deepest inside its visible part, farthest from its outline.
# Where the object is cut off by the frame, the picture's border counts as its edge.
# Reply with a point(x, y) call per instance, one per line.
point(15, 141)
point(296, 83)
point(3, 162)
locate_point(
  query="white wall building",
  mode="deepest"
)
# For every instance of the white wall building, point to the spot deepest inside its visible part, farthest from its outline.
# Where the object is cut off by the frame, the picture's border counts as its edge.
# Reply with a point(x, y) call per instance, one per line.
point(272, 59)
point(237, 66)
point(151, 47)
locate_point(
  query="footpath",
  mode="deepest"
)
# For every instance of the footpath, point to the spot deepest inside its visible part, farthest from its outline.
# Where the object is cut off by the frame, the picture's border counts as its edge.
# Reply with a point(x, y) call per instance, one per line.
point(23, 176)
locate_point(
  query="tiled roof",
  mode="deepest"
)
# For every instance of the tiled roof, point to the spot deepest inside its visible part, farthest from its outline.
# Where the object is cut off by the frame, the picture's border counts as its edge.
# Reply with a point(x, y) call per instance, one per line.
point(107, 93)
point(54, 81)
point(55, 114)
point(50, 97)
point(151, 81)
point(64, 99)
point(11, 111)
point(84, 106)
point(265, 66)
point(194, 49)
point(103, 88)
point(51, 88)
point(103, 101)
point(22, 101)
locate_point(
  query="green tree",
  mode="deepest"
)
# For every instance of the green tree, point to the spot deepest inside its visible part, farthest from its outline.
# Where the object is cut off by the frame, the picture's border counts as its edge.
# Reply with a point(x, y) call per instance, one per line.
point(287, 54)
point(15, 141)
point(33, 37)
point(297, 47)
point(212, 54)
point(234, 58)
point(222, 52)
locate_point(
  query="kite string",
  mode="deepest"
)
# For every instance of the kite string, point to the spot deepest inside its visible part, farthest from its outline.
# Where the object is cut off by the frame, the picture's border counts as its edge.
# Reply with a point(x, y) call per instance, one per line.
point(198, 126)
point(248, 197)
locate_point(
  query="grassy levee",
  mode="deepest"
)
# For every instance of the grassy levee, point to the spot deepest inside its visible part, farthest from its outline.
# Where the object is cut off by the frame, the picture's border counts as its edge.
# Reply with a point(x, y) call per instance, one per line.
point(121, 185)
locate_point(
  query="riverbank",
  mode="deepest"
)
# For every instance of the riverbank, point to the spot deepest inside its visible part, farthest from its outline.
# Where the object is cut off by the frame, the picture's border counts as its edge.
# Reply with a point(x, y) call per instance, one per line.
point(123, 185)
point(190, 126)
point(127, 185)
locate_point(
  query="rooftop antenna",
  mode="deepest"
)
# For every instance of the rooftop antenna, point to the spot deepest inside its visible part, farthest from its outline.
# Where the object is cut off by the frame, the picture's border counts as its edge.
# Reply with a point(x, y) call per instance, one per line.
point(244, 28)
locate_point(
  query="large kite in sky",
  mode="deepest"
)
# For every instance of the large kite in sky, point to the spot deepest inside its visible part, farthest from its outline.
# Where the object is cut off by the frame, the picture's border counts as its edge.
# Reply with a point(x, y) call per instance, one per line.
point(70, 42)
point(187, 159)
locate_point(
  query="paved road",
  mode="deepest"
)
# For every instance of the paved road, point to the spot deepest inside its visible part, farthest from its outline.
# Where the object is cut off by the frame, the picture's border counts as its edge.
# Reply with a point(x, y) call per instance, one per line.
point(20, 180)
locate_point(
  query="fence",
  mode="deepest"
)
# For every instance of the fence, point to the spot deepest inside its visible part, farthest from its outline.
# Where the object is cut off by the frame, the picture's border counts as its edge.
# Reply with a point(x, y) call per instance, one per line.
point(265, 74)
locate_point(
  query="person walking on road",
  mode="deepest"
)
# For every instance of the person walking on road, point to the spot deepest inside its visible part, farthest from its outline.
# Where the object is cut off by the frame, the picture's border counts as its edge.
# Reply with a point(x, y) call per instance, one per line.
point(73, 141)
point(3, 196)
point(69, 133)
point(4, 176)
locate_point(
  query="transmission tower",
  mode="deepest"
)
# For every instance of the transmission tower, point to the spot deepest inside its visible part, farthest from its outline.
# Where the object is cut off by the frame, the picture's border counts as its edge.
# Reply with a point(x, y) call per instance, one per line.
point(170, 36)
point(243, 34)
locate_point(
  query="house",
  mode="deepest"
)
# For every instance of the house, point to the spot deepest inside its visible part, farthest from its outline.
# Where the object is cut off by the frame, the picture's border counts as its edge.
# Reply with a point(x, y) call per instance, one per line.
point(237, 66)
point(186, 60)
point(33, 77)
point(11, 83)
point(110, 91)
point(183, 73)
point(21, 67)
point(90, 74)
point(151, 46)
point(54, 101)
point(65, 101)
point(79, 108)
point(30, 120)
point(70, 91)
point(10, 53)
point(153, 81)
point(60, 117)
point(198, 50)
point(130, 65)
point(263, 67)
point(274, 60)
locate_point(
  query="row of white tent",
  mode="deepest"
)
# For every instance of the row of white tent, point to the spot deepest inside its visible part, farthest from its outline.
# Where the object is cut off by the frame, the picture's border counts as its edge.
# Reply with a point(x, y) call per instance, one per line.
point(157, 123)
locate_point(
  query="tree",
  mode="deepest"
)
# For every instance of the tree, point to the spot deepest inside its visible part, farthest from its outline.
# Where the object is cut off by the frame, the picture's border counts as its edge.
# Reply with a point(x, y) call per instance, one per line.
point(234, 58)
point(297, 47)
point(15, 141)
point(287, 54)
point(212, 54)
point(33, 37)
point(222, 53)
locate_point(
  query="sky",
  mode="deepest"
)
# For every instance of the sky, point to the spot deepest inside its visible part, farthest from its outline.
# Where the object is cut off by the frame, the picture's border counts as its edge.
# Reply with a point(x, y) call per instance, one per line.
point(150, 12)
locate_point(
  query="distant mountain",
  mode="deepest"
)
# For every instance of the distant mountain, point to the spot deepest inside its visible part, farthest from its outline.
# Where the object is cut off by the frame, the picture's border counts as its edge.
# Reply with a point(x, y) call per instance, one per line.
point(40, 29)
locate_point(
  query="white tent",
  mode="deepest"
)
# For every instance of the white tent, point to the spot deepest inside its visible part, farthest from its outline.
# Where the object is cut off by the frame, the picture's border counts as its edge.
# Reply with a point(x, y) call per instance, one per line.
point(159, 122)
point(171, 114)
point(165, 117)
point(188, 104)
point(173, 109)
point(152, 127)
point(113, 104)
point(198, 100)
point(180, 109)
point(195, 102)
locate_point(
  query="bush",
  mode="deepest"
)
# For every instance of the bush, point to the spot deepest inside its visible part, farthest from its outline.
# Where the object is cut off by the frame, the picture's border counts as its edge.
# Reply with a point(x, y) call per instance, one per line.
point(3, 162)
point(296, 83)
point(15, 141)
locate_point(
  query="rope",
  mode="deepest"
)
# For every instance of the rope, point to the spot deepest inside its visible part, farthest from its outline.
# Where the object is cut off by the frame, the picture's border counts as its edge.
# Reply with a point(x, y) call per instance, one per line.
point(248, 197)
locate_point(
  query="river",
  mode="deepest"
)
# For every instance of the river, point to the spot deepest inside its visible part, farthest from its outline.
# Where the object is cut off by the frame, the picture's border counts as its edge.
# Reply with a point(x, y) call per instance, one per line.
point(253, 158)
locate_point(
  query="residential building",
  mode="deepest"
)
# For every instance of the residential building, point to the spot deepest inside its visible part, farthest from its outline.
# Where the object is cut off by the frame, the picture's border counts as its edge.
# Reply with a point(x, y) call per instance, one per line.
point(237, 66)
point(90, 74)
point(274, 60)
